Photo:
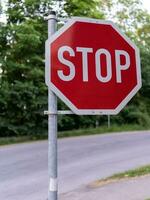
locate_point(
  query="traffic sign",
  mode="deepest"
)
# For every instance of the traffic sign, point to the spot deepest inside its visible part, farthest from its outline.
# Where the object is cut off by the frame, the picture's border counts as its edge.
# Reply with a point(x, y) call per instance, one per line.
point(92, 66)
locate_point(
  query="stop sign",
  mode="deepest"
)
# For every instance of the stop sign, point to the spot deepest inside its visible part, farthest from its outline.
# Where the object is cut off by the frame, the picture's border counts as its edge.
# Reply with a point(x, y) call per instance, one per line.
point(92, 66)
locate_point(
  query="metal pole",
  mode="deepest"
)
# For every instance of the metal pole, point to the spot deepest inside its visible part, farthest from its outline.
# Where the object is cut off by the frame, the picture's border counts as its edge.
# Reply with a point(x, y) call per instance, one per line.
point(52, 126)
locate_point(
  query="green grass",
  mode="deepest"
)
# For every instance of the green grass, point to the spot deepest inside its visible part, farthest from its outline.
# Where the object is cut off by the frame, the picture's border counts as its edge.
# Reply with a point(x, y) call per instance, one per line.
point(100, 130)
point(132, 173)
point(71, 133)
point(145, 170)
point(19, 139)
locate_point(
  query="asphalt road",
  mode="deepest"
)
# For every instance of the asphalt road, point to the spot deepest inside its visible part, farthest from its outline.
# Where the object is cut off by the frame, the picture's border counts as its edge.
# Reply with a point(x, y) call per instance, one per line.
point(23, 167)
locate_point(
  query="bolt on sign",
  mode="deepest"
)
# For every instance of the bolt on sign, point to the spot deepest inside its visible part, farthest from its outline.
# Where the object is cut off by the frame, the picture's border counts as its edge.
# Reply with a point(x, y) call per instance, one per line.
point(92, 66)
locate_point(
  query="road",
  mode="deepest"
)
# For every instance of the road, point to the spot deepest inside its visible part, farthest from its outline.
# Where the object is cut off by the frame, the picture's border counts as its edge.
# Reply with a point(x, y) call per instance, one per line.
point(23, 167)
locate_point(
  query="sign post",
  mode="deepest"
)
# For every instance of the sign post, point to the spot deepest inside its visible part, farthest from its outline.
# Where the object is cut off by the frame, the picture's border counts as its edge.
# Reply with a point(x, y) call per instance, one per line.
point(52, 126)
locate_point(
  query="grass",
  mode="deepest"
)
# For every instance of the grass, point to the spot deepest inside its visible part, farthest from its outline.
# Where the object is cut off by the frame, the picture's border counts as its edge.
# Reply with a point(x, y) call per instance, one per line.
point(100, 130)
point(133, 173)
point(80, 132)
point(19, 139)
point(138, 172)
point(145, 170)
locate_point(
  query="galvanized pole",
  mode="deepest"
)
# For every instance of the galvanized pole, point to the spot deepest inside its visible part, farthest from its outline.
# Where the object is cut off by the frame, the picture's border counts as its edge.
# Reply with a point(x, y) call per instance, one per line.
point(52, 125)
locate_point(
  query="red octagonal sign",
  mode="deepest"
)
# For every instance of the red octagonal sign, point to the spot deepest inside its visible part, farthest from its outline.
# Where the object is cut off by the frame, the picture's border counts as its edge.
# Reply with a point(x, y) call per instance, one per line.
point(92, 66)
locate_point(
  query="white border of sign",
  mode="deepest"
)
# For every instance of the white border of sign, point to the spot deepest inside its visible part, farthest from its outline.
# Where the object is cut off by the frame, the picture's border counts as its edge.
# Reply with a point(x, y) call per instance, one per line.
point(64, 98)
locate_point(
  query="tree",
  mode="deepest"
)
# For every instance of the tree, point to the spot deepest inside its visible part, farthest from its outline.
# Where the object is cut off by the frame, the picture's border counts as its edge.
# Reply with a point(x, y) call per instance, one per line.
point(23, 96)
point(134, 21)
point(23, 93)
point(83, 8)
point(23, 90)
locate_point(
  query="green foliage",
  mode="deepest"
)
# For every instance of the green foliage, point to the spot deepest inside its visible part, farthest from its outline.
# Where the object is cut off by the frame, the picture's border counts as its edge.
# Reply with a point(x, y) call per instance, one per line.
point(135, 22)
point(23, 93)
point(21, 109)
point(23, 96)
point(83, 8)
